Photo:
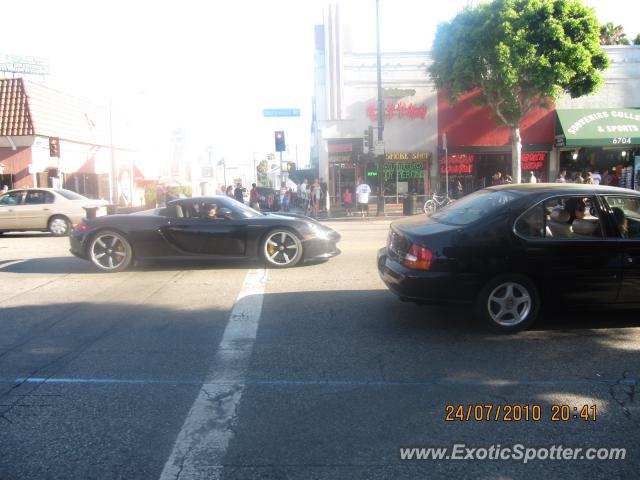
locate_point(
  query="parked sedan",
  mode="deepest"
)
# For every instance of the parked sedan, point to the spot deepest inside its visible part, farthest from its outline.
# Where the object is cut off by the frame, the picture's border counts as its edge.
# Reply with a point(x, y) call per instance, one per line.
point(206, 228)
point(52, 209)
point(508, 250)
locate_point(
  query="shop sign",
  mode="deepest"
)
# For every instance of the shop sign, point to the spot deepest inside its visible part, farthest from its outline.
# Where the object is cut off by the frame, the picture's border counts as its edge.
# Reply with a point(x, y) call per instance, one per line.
point(407, 156)
point(399, 111)
point(534, 161)
point(340, 148)
point(403, 171)
point(340, 159)
point(458, 164)
point(583, 127)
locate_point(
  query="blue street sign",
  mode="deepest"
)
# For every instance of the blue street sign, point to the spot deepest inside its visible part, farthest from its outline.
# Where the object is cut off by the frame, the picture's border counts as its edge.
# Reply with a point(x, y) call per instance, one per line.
point(281, 112)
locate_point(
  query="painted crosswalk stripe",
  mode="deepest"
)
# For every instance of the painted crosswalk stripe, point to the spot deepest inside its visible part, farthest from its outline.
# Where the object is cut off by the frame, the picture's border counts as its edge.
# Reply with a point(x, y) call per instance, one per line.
point(202, 442)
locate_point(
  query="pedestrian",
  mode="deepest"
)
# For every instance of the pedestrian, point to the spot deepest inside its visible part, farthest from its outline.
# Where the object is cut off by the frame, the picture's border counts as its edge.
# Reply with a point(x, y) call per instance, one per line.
point(323, 194)
point(5, 189)
point(532, 177)
point(230, 191)
point(284, 203)
point(316, 194)
point(254, 198)
point(508, 180)
point(496, 179)
point(237, 193)
point(362, 194)
point(347, 202)
point(597, 178)
point(302, 193)
point(563, 177)
point(588, 179)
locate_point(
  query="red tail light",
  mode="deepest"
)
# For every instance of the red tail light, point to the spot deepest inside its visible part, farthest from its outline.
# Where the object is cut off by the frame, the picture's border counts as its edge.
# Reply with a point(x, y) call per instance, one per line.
point(418, 258)
point(81, 227)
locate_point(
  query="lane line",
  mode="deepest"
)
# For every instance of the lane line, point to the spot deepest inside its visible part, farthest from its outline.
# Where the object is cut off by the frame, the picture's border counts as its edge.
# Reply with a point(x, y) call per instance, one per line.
point(202, 442)
point(331, 383)
point(8, 264)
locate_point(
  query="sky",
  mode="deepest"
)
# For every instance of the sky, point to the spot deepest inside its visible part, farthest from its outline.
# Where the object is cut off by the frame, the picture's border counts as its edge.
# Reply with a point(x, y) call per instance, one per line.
point(210, 67)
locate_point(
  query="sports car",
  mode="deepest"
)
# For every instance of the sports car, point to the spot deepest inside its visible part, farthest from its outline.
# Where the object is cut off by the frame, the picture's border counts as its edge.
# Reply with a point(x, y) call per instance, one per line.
point(205, 228)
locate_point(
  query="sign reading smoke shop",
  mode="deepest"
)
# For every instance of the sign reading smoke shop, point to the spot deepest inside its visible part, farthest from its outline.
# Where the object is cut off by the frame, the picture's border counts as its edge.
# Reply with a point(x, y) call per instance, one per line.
point(590, 127)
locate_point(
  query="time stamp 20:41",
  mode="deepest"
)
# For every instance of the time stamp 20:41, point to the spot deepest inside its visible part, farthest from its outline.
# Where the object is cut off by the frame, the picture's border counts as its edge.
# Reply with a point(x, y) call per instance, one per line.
point(519, 413)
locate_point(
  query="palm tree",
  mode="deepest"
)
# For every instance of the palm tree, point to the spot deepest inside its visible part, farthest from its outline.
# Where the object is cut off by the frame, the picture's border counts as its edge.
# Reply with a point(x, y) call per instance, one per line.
point(613, 35)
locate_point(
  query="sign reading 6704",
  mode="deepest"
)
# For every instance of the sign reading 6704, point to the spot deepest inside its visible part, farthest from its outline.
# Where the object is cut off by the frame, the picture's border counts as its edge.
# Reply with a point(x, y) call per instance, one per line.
point(621, 140)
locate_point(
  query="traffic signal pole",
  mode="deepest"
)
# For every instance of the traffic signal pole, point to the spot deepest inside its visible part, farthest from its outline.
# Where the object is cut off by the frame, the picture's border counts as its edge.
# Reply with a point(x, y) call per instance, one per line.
point(380, 209)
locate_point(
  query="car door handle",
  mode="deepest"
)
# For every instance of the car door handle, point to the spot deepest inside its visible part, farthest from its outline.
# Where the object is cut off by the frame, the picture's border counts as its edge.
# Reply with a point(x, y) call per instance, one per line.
point(46, 209)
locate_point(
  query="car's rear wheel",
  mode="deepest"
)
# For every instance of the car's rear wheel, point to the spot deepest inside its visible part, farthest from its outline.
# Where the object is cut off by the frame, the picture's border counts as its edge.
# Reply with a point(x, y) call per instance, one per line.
point(110, 251)
point(508, 303)
point(282, 249)
point(59, 226)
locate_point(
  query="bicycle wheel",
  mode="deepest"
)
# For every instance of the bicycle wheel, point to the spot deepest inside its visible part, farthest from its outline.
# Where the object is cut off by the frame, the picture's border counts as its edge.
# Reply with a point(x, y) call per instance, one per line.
point(430, 207)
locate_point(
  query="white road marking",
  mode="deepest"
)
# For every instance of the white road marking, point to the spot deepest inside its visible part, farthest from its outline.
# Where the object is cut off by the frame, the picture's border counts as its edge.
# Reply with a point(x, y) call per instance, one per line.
point(202, 442)
point(8, 264)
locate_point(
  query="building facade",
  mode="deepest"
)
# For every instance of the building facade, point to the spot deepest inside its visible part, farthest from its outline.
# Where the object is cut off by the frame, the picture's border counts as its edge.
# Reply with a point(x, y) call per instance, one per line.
point(599, 132)
point(86, 160)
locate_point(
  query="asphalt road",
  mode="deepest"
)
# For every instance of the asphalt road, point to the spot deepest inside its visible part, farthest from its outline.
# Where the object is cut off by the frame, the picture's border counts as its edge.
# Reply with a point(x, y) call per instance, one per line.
point(317, 372)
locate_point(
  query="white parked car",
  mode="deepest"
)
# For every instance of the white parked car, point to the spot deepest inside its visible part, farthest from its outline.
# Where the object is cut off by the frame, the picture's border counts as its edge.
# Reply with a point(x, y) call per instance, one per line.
point(53, 209)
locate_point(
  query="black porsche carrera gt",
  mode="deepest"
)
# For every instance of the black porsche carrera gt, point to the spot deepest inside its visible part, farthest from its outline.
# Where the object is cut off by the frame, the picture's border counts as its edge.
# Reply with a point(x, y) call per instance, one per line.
point(206, 228)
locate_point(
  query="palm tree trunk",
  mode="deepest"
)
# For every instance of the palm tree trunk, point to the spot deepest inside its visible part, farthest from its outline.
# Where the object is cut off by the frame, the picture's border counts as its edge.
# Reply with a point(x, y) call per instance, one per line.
point(516, 150)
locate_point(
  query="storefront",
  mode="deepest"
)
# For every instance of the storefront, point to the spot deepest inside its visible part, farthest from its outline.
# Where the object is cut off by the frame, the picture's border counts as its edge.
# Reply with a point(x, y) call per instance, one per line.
point(479, 146)
point(600, 142)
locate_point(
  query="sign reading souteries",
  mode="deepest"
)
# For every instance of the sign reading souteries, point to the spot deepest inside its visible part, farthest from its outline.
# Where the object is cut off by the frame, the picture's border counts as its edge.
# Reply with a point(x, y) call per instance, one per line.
point(593, 127)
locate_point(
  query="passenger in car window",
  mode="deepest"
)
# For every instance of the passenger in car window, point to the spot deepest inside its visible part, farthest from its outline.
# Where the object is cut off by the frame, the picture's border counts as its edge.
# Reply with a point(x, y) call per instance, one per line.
point(621, 221)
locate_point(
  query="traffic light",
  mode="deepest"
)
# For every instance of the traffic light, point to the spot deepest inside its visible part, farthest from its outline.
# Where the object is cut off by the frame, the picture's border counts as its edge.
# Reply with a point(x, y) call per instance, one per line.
point(367, 140)
point(291, 167)
point(280, 145)
point(54, 147)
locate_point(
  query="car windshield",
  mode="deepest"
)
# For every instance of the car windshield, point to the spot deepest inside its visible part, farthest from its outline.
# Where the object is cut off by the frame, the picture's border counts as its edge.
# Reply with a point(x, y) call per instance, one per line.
point(244, 211)
point(475, 206)
point(69, 195)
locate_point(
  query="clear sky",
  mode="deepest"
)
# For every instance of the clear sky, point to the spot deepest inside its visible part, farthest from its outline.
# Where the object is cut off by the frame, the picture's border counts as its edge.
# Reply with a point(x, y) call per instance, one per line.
point(210, 67)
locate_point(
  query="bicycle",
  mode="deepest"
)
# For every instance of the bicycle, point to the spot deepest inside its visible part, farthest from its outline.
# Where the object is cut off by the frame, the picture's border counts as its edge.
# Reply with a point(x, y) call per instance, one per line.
point(435, 202)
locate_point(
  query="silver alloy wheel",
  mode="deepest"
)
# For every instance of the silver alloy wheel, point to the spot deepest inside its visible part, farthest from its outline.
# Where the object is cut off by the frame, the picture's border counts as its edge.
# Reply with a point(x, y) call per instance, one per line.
point(429, 207)
point(509, 304)
point(282, 248)
point(59, 226)
point(109, 251)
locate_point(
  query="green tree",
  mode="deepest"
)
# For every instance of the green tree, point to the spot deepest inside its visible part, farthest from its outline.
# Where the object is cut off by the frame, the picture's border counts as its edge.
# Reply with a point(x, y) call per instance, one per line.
point(613, 35)
point(519, 55)
point(263, 169)
point(636, 41)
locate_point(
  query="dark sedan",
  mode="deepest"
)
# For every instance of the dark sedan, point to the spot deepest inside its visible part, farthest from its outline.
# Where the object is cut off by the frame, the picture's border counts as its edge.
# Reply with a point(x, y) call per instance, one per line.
point(202, 229)
point(508, 249)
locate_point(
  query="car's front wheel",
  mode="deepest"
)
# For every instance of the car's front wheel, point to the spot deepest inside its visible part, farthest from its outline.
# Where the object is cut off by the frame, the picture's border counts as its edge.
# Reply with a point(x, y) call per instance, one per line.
point(508, 303)
point(110, 251)
point(281, 249)
point(59, 226)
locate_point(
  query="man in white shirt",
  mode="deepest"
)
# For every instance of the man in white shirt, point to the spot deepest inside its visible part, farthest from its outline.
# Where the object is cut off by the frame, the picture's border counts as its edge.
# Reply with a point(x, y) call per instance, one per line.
point(362, 195)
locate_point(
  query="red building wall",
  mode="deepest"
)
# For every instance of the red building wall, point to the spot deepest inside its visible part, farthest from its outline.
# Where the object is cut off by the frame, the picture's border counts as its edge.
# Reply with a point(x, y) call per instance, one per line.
point(467, 124)
point(16, 163)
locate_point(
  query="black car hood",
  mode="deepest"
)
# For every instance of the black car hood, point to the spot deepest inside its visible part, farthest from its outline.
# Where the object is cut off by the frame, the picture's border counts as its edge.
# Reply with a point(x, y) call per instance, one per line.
point(420, 225)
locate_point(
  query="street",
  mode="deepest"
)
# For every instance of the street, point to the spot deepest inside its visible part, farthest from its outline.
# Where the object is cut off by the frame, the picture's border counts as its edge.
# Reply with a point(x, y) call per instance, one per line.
point(234, 371)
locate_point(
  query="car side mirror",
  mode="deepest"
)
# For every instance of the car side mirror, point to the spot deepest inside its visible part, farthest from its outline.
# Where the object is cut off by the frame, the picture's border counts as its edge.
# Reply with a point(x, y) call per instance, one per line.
point(225, 213)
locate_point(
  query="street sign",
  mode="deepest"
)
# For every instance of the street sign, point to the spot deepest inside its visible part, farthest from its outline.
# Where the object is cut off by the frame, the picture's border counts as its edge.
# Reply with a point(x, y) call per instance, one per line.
point(281, 112)
point(379, 148)
point(23, 64)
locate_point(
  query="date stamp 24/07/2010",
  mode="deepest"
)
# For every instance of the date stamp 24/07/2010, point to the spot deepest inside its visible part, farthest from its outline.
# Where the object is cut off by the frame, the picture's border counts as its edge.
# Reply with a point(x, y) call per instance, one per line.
point(520, 413)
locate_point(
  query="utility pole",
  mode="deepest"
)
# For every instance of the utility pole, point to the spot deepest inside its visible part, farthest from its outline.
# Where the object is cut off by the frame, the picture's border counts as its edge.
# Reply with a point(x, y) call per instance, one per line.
point(380, 209)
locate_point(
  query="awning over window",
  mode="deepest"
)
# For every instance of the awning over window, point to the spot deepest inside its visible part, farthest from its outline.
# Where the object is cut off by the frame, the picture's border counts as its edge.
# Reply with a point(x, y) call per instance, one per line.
point(598, 127)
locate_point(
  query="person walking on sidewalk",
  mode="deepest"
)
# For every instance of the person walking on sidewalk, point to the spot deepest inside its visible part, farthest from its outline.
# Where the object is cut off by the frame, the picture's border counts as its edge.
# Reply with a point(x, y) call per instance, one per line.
point(362, 194)
point(254, 198)
point(316, 194)
point(347, 202)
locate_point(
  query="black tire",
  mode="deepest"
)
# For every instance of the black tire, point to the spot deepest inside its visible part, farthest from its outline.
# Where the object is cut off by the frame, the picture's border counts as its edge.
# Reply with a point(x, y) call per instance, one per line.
point(59, 226)
point(110, 251)
point(278, 245)
point(508, 303)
